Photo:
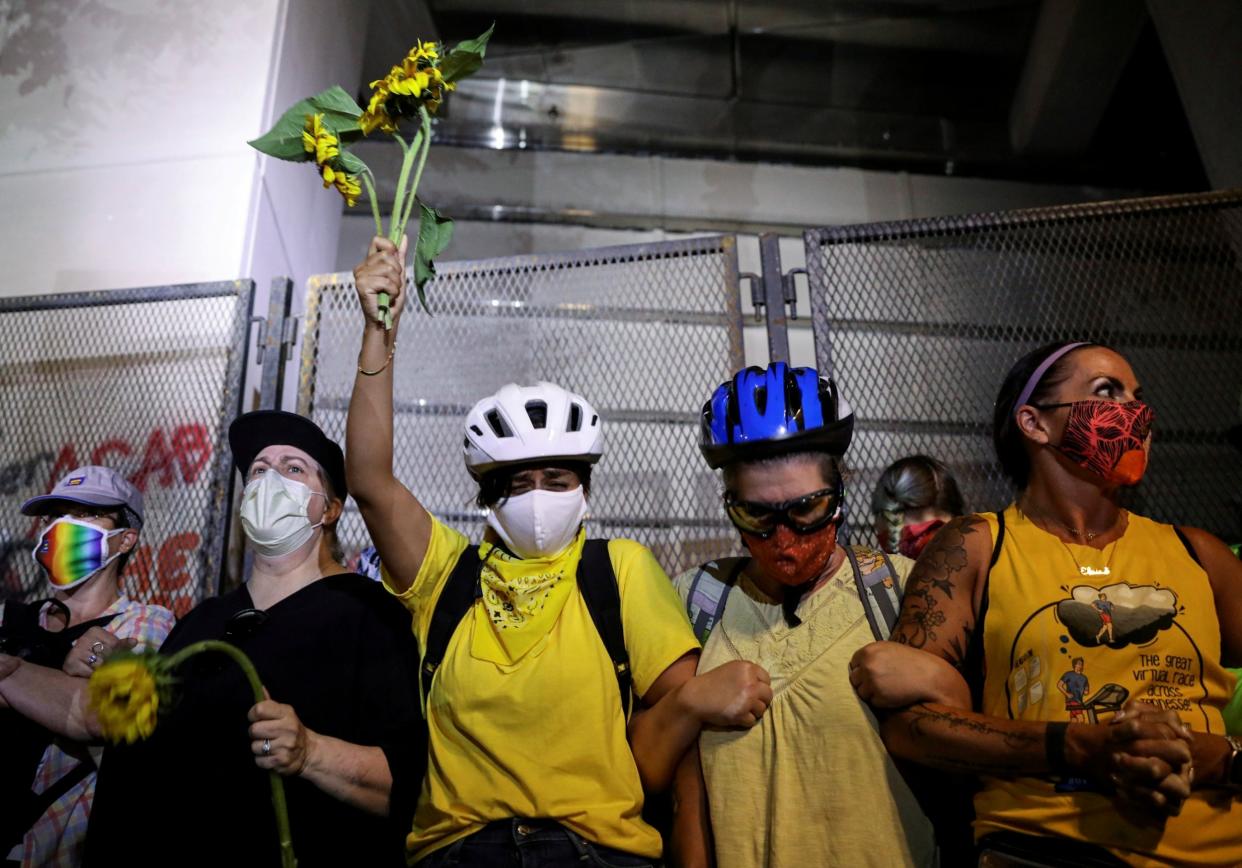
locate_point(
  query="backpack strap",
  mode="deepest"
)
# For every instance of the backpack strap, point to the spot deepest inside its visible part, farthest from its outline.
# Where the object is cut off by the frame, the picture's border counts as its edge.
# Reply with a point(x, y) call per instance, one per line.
point(881, 602)
point(708, 594)
point(597, 582)
point(460, 591)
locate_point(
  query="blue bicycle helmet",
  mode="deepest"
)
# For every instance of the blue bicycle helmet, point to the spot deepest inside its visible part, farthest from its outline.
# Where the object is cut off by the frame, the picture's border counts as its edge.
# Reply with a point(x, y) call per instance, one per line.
point(770, 411)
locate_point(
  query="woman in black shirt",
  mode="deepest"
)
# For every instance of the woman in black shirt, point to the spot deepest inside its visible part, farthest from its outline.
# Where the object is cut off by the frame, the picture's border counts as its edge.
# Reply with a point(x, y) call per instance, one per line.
point(337, 657)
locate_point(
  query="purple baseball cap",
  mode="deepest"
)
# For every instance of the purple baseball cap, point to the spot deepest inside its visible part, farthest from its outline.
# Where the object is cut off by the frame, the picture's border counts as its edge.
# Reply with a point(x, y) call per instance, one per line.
point(90, 486)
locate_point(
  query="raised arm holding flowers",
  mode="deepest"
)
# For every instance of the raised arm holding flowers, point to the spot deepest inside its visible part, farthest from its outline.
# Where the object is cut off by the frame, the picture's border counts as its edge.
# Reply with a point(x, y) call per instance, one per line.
point(318, 130)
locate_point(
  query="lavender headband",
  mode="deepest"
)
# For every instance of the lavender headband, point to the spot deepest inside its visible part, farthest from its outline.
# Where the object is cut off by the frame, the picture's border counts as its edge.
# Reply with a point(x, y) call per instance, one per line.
point(1043, 369)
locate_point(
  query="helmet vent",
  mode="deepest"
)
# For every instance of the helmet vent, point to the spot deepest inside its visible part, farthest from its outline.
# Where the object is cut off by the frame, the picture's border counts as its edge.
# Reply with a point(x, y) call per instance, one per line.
point(793, 404)
point(478, 432)
point(575, 418)
point(498, 426)
point(537, 411)
point(761, 400)
point(594, 421)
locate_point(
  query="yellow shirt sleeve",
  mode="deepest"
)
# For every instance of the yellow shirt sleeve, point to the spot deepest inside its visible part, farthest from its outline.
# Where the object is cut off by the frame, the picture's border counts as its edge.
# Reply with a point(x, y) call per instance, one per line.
point(443, 550)
point(657, 631)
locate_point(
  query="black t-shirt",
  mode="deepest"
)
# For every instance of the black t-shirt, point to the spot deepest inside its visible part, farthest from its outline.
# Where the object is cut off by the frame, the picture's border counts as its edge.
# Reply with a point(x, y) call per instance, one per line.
point(341, 652)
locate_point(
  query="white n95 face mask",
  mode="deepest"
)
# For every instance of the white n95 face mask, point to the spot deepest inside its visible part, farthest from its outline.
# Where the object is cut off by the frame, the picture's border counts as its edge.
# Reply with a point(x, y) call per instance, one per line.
point(539, 523)
point(274, 514)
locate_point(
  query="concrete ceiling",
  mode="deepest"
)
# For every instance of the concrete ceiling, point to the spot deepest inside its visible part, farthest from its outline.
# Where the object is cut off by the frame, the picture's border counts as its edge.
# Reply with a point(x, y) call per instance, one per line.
point(1064, 90)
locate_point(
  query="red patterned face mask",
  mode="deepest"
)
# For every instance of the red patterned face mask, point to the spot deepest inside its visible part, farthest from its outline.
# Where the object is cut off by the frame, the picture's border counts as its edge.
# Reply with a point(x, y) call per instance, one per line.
point(790, 558)
point(1107, 438)
point(915, 537)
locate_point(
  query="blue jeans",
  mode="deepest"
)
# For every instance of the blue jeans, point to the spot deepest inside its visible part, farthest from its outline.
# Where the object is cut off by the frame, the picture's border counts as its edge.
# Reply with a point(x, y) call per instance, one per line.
point(526, 843)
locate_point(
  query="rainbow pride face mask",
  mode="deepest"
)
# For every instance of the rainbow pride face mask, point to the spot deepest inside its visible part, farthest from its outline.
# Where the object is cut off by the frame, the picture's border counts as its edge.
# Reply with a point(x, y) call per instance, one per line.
point(71, 551)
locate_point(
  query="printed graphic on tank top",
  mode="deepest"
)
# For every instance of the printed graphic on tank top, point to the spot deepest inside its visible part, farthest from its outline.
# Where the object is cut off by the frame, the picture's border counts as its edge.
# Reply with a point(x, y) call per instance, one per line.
point(1072, 633)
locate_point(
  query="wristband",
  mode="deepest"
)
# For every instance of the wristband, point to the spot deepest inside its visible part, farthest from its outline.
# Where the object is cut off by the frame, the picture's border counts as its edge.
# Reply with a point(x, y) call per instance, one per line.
point(382, 367)
point(1233, 767)
point(1054, 749)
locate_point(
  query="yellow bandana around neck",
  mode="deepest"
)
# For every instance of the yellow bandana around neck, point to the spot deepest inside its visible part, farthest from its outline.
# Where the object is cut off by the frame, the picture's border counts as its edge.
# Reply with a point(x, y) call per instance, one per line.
point(522, 598)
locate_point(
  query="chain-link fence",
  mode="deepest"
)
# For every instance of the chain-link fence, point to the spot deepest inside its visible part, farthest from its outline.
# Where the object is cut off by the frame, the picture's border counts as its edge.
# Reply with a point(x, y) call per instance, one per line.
point(144, 381)
point(920, 320)
point(643, 332)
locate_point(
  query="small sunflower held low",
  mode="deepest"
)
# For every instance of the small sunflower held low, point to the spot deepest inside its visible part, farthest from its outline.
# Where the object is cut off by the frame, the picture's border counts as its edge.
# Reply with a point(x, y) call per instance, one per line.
point(128, 690)
point(319, 128)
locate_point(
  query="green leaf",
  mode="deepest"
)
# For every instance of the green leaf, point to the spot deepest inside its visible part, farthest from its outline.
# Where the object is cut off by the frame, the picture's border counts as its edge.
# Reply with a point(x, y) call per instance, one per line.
point(350, 163)
point(465, 58)
point(337, 103)
point(435, 231)
point(340, 113)
point(284, 140)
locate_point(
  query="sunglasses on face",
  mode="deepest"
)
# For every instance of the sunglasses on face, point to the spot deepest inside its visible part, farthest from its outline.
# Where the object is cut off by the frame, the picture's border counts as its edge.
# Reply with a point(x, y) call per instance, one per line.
point(804, 514)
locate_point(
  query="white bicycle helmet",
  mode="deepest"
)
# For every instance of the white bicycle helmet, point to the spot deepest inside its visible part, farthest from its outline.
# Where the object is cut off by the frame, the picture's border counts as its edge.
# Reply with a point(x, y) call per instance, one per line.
point(529, 423)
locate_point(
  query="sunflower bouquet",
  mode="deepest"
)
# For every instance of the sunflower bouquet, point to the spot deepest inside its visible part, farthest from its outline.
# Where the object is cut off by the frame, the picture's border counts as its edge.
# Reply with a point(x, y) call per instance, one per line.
point(128, 689)
point(318, 129)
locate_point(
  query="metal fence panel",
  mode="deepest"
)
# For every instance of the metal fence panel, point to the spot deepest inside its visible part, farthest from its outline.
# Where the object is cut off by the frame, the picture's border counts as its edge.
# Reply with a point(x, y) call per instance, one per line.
point(919, 320)
point(141, 380)
point(644, 332)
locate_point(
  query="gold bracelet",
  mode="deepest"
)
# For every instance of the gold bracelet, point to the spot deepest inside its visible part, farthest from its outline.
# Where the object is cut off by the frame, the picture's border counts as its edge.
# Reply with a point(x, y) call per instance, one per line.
point(382, 367)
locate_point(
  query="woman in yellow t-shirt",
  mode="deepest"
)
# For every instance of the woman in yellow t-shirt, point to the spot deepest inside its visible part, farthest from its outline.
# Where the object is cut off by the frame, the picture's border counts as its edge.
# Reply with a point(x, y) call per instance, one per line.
point(530, 761)
point(1093, 640)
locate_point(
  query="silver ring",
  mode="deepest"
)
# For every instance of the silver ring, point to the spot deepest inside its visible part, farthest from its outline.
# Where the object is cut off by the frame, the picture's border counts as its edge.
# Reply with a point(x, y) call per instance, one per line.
point(267, 746)
point(97, 648)
point(93, 659)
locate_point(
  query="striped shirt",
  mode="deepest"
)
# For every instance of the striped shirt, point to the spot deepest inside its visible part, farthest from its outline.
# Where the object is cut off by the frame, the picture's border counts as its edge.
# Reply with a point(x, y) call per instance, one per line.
point(58, 838)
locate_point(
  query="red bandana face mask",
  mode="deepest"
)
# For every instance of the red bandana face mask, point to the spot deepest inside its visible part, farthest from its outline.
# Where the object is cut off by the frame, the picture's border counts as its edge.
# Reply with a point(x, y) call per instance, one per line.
point(915, 537)
point(793, 559)
point(1108, 439)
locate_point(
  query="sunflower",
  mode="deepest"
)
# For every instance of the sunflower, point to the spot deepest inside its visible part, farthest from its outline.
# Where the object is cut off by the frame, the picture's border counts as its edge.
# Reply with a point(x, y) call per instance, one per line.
point(416, 82)
point(124, 693)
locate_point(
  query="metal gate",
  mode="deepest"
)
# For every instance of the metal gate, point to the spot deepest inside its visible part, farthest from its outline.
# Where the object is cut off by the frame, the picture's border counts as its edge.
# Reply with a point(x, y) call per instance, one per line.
point(141, 380)
point(919, 320)
point(644, 332)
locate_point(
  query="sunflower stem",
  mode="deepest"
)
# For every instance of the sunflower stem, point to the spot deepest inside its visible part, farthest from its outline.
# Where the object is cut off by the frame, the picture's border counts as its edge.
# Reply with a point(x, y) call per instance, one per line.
point(394, 225)
point(287, 858)
point(424, 138)
point(379, 222)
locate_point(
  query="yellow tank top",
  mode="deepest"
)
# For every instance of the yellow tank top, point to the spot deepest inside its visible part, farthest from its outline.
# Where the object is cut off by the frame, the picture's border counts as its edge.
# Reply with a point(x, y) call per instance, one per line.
point(1070, 633)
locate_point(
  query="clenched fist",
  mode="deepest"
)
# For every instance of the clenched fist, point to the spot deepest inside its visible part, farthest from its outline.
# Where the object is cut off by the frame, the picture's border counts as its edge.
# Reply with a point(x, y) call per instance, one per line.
point(382, 271)
point(735, 694)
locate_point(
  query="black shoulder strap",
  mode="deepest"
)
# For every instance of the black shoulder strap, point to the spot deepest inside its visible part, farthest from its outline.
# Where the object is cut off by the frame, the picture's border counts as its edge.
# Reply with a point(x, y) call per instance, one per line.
point(597, 582)
point(37, 804)
point(23, 618)
point(881, 602)
point(1000, 539)
point(72, 633)
point(460, 591)
point(21, 635)
point(1190, 549)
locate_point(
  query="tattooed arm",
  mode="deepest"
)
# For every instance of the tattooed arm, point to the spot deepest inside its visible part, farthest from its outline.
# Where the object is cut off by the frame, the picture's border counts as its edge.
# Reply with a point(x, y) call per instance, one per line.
point(1144, 753)
point(938, 618)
